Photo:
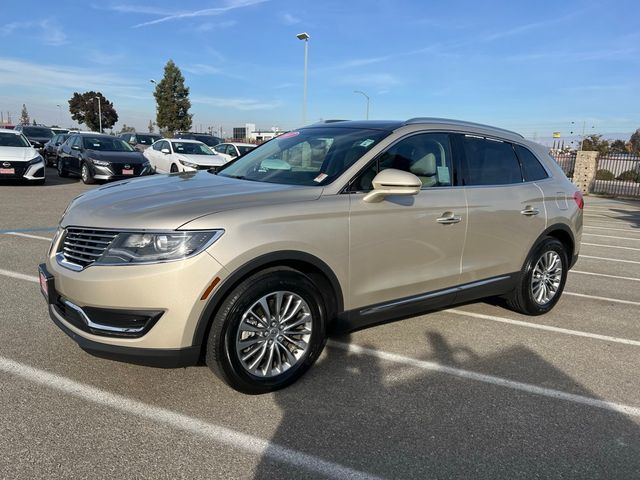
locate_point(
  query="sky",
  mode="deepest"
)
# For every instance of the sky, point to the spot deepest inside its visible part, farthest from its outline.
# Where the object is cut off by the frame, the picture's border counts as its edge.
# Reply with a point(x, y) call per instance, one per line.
point(533, 67)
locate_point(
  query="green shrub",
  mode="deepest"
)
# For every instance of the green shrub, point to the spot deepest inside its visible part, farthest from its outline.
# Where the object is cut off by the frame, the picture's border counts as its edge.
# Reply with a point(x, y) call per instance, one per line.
point(630, 176)
point(604, 175)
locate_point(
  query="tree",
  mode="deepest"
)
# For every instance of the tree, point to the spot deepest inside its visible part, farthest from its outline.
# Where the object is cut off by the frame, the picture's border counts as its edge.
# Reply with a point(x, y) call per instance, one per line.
point(84, 109)
point(151, 127)
point(24, 116)
point(596, 143)
point(634, 142)
point(172, 99)
point(125, 128)
point(619, 146)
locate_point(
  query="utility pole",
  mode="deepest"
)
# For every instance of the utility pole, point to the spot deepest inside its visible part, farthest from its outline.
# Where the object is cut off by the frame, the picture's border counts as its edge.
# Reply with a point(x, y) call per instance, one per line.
point(99, 112)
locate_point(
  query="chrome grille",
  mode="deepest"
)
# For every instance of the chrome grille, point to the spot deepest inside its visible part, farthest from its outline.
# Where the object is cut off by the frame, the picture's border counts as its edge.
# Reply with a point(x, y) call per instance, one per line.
point(83, 246)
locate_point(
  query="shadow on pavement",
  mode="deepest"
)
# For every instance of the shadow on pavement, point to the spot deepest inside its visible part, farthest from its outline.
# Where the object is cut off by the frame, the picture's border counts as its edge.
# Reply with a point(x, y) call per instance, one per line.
point(396, 421)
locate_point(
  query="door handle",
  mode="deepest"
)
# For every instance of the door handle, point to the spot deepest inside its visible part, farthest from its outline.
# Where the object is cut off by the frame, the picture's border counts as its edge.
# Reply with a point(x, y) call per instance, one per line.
point(449, 219)
point(530, 211)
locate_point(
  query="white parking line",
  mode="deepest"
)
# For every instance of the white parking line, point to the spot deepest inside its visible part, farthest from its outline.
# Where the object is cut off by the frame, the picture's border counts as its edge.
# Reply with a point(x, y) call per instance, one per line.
point(26, 235)
point(490, 379)
point(614, 229)
point(538, 326)
point(610, 246)
point(606, 299)
point(610, 236)
point(217, 433)
point(21, 276)
point(605, 275)
point(609, 259)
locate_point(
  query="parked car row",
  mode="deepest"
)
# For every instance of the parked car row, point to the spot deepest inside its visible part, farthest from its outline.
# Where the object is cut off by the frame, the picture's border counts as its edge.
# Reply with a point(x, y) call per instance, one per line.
point(99, 157)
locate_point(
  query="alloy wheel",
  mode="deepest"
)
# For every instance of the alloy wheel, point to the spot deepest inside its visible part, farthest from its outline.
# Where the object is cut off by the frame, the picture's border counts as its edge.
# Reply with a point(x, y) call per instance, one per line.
point(274, 334)
point(546, 277)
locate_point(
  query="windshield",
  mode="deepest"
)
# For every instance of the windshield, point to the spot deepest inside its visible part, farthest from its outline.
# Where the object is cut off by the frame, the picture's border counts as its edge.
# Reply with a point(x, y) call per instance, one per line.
point(147, 139)
point(311, 156)
point(13, 140)
point(106, 144)
point(191, 148)
point(245, 149)
point(41, 132)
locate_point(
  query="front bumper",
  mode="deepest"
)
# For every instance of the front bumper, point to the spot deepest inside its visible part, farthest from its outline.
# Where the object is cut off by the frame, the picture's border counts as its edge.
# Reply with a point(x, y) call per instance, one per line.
point(167, 298)
point(23, 170)
point(114, 172)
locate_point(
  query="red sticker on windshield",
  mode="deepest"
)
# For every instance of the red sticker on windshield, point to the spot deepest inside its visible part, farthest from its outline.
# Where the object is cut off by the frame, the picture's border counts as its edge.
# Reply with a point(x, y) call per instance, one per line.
point(289, 135)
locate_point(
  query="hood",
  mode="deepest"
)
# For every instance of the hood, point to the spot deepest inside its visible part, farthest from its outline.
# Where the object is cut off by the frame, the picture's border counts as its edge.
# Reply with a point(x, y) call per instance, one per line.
point(169, 201)
point(117, 157)
point(204, 160)
point(18, 154)
point(40, 140)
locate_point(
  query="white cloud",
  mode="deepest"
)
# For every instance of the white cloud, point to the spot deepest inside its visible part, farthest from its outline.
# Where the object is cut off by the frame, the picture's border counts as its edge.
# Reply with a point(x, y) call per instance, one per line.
point(289, 19)
point(244, 104)
point(49, 30)
point(17, 73)
point(166, 16)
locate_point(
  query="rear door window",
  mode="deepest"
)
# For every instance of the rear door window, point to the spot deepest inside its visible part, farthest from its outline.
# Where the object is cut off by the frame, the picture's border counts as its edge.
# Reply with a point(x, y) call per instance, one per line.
point(489, 162)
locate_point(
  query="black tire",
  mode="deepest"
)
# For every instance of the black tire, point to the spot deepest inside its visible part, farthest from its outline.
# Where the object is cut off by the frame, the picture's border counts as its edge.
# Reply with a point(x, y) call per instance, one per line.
point(86, 175)
point(174, 168)
point(62, 172)
point(221, 355)
point(521, 299)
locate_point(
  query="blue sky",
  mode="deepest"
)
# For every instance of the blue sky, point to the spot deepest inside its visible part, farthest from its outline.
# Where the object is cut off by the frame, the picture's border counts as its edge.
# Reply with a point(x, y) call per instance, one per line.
point(531, 67)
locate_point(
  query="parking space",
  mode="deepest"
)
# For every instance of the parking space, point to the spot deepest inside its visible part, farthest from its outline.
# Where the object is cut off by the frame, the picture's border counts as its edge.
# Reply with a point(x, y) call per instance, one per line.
point(476, 391)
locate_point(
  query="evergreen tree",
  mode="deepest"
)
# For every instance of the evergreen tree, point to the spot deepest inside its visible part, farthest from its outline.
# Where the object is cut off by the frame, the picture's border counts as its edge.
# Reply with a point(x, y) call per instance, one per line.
point(24, 116)
point(172, 99)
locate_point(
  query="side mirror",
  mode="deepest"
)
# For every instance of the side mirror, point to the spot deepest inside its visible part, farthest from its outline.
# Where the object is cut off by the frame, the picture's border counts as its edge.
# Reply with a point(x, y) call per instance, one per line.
point(393, 182)
point(165, 150)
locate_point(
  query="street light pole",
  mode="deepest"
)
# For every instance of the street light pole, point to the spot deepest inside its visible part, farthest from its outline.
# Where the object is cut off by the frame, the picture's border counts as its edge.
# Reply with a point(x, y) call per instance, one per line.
point(99, 112)
point(367, 97)
point(59, 115)
point(305, 38)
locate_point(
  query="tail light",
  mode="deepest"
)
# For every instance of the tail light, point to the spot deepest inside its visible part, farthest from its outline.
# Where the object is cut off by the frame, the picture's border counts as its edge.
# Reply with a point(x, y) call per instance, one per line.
point(579, 200)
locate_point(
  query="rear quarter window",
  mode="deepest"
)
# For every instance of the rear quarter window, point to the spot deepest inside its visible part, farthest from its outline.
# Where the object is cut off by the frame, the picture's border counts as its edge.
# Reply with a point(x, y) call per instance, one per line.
point(532, 169)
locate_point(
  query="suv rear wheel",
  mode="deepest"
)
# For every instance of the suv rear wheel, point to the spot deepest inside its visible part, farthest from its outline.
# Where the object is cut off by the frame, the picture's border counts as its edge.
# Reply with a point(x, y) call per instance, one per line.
point(268, 331)
point(542, 279)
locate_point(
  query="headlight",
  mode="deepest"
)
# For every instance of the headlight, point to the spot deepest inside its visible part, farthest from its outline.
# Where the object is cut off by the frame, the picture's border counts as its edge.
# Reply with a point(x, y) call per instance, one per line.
point(189, 164)
point(150, 247)
point(100, 163)
point(35, 160)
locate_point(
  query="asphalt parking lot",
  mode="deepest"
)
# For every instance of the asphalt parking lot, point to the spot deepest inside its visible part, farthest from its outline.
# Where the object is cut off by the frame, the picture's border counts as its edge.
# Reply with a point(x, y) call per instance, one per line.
point(472, 392)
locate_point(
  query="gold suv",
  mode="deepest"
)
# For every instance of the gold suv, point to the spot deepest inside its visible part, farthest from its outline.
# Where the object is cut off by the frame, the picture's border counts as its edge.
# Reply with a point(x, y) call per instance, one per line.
point(329, 228)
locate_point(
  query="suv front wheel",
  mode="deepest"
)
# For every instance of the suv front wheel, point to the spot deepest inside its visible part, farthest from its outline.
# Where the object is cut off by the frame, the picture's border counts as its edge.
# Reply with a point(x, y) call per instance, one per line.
point(542, 279)
point(268, 331)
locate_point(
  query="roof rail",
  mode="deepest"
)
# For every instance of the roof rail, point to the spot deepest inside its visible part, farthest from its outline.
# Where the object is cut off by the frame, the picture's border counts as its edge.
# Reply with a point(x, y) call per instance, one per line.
point(461, 123)
point(333, 120)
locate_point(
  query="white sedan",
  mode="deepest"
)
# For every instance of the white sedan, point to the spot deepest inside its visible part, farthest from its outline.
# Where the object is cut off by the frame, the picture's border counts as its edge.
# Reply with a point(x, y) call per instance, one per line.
point(233, 150)
point(170, 155)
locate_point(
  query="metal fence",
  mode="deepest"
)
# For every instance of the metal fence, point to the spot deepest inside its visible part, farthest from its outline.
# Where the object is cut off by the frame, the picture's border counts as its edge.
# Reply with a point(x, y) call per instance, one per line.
point(616, 174)
point(567, 162)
